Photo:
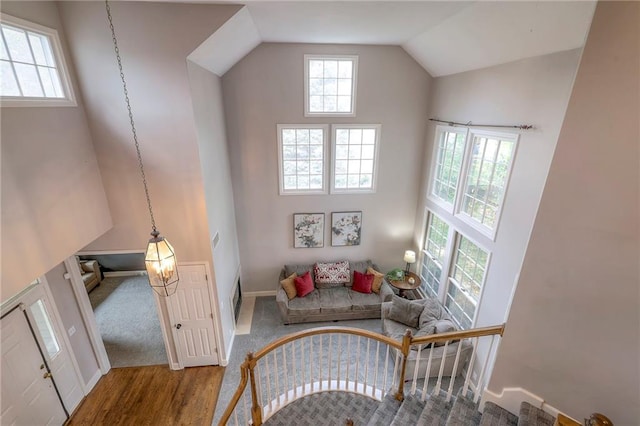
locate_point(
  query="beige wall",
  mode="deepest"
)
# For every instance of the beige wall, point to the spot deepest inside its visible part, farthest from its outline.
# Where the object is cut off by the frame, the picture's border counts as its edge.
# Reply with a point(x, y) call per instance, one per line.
point(266, 88)
point(206, 92)
point(531, 91)
point(53, 201)
point(573, 331)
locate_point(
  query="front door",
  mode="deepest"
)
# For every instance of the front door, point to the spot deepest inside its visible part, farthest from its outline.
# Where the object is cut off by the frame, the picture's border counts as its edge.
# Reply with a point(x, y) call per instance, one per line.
point(192, 318)
point(28, 395)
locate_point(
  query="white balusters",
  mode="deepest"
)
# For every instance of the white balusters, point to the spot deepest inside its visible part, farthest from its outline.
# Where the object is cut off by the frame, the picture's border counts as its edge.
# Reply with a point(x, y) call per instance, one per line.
point(443, 358)
point(311, 376)
point(348, 356)
point(375, 376)
point(330, 353)
point(244, 404)
point(339, 357)
point(395, 368)
point(454, 373)
point(425, 387)
point(467, 376)
point(386, 369)
point(266, 363)
point(366, 368)
point(357, 362)
point(415, 370)
point(479, 385)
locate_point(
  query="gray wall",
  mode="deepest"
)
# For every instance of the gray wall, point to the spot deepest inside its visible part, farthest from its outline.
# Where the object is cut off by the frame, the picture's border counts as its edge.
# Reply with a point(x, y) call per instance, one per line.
point(573, 331)
point(206, 92)
point(53, 201)
point(266, 88)
point(530, 91)
point(71, 317)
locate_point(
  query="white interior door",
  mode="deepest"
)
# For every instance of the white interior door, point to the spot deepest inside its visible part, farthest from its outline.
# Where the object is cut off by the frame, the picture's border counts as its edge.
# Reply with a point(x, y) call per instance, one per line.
point(192, 318)
point(28, 396)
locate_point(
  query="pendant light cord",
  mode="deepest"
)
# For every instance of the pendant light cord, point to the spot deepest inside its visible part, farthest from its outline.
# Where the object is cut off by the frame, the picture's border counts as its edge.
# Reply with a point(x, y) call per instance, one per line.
point(133, 125)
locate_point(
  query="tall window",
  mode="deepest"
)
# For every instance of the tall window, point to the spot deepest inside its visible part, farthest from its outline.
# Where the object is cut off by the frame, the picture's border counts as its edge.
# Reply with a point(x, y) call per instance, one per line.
point(466, 279)
point(330, 85)
point(470, 174)
point(32, 68)
point(355, 150)
point(302, 154)
point(435, 245)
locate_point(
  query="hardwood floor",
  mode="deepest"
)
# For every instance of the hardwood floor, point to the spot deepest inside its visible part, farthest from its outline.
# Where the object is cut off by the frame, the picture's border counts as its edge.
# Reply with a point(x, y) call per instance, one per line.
point(152, 396)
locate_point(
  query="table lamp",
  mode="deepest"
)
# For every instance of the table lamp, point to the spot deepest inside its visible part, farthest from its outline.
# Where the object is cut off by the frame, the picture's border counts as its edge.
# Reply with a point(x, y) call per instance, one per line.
point(409, 257)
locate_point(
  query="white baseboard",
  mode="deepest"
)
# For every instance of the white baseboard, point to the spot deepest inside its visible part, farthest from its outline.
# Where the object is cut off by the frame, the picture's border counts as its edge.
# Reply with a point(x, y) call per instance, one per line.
point(124, 273)
point(224, 361)
point(92, 382)
point(259, 293)
point(511, 398)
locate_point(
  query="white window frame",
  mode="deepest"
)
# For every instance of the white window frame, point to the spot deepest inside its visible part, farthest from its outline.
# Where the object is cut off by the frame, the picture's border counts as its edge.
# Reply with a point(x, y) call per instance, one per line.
point(61, 67)
point(354, 85)
point(455, 209)
point(374, 178)
point(447, 249)
point(325, 159)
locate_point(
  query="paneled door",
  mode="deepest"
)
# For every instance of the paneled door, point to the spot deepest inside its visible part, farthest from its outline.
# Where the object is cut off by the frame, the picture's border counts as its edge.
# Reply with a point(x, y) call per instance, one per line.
point(192, 318)
point(28, 395)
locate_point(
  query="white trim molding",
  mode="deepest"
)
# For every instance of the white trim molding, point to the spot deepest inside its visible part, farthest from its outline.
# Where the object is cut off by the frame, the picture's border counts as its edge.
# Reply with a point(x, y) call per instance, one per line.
point(511, 398)
point(265, 293)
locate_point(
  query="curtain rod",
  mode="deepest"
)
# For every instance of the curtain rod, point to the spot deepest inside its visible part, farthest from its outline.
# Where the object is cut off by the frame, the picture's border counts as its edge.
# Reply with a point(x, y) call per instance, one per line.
point(469, 124)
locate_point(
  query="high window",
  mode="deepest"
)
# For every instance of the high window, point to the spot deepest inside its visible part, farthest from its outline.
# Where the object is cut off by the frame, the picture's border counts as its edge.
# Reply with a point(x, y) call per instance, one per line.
point(32, 68)
point(302, 158)
point(470, 174)
point(355, 150)
point(330, 85)
point(434, 251)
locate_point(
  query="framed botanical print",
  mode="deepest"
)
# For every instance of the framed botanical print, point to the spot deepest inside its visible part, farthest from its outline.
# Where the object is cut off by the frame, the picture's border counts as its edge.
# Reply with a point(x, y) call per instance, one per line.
point(308, 230)
point(346, 228)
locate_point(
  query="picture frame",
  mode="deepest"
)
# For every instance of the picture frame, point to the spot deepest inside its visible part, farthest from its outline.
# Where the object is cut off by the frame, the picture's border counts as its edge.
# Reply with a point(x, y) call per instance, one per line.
point(308, 230)
point(346, 228)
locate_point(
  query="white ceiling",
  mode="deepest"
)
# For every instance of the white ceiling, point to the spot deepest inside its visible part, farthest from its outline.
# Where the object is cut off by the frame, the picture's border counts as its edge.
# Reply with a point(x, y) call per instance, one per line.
point(445, 37)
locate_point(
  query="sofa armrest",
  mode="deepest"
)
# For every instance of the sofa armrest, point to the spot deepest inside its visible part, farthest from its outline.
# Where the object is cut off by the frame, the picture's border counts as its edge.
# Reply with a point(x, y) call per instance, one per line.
point(283, 303)
point(386, 292)
point(93, 266)
point(385, 308)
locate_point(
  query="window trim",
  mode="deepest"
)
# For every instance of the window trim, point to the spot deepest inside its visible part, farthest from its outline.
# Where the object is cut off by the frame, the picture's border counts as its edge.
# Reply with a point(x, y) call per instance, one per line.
point(374, 179)
point(325, 159)
point(354, 85)
point(61, 67)
point(440, 130)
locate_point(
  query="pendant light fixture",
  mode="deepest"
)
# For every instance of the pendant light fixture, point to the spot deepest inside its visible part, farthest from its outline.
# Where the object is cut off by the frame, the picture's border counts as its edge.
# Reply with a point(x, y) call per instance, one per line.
point(160, 258)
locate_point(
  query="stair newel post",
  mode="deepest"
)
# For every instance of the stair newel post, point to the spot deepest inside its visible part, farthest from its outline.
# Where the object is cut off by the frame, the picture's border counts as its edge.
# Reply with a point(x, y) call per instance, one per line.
point(406, 347)
point(256, 410)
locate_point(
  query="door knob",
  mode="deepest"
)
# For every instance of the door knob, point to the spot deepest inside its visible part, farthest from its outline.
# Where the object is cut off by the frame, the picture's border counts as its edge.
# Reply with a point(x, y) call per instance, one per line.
point(46, 375)
point(178, 326)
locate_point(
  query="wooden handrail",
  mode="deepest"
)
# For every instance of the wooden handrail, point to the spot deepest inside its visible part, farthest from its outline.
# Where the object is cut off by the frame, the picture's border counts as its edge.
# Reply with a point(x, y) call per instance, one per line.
point(244, 378)
point(322, 330)
point(456, 335)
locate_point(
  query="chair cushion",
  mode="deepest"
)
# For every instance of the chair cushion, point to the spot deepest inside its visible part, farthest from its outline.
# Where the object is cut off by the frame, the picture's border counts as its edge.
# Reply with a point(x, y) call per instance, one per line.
point(308, 305)
point(298, 269)
point(335, 300)
point(405, 311)
point(364, 301)
point(433, 312)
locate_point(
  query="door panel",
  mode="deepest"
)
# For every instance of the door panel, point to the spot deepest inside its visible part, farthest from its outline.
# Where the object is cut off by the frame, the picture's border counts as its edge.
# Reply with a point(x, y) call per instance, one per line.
point(192, 318)
point(28, 398)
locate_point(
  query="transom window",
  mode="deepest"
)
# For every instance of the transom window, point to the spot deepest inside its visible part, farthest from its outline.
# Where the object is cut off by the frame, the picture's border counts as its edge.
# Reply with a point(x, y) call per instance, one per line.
point(330, 84)
point(30, 65)
point(354, 158)
point(302, 159)
point(470, 174)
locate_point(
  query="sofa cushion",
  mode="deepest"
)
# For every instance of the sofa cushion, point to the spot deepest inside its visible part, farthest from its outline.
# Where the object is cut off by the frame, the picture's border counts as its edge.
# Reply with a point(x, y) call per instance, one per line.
point(394, 329)
point(364, 301)
point(304, 285)
point(289, 286)
point(445, 326)
point(433, 312)
point(308, 305)
point(335, 300)
point(331, 273)
point(298, 269)
point(377, 280)
point(405, 311)
point(362, 282)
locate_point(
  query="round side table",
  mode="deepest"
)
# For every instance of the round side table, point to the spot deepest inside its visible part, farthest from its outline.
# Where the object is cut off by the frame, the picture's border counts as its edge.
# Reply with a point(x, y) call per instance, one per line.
point(404, 285)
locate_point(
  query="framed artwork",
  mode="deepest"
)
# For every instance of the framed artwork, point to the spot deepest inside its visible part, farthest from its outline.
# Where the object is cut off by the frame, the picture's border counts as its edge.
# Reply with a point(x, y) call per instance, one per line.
point(346, 228)
point(308, 230)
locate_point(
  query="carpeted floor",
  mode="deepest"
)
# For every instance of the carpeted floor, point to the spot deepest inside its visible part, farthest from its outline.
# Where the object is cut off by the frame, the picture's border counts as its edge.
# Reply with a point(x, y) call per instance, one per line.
point(126, 314)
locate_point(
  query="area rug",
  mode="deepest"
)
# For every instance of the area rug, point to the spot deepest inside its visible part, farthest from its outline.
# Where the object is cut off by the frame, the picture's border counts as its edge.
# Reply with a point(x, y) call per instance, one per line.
point(127, 318)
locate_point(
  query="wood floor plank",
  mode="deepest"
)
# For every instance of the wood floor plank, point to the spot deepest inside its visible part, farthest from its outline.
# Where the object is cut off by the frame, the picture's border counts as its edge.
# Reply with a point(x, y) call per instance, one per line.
point(152, 395)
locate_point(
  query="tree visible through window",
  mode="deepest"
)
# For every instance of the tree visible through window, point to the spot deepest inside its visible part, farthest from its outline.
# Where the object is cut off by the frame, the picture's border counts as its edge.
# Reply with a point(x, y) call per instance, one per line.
point(433, 258)
point(354, 157)
point(302, 158)
point(330, 83)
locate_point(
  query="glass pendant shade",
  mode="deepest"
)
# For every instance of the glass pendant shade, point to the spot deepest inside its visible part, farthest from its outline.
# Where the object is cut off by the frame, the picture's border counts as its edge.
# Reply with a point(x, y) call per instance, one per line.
point(161, 264)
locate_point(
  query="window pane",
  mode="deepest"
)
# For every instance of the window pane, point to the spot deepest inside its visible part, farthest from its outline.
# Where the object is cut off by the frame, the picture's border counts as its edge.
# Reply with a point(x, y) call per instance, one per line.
point(28, 79)
point(468, 271)
point(330, 85)
point(47, 82)
point(43, 324)
point(316, 69)
point(38, 46)
point(18, 46)
point(345, 69)
point(361, 162)
point(341, 166)
point(449, 158)
point(330, 69)
point(344, 87)
point(9, 83)
point(344, 103)
point(315, 104)
point(3, 51)
point(433, 254)
point(302, 153)
point(330, 103)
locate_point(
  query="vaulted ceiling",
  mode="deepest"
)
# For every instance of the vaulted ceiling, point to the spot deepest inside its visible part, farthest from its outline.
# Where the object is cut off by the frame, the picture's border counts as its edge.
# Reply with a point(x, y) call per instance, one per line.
point(445, 37)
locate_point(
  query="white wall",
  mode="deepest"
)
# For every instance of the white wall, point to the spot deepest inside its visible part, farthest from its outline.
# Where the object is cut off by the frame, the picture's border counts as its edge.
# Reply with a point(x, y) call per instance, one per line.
point(531, 91)
point(53, 201)
point(574, 328)
point(206, 92)
point(266, 88)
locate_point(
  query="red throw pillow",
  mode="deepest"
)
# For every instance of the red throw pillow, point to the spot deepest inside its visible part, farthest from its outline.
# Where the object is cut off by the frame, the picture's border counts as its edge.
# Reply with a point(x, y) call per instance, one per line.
point(362, 282)
point(304, 284)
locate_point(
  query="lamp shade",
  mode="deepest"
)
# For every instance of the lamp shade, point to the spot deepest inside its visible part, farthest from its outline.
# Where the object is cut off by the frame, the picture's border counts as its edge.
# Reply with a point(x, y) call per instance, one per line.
point(410, 256)
point(160, 261)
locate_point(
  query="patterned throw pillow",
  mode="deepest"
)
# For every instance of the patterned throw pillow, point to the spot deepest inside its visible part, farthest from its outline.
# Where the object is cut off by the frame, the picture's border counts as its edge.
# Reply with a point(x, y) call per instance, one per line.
point(377, 280)
point(289, 285)
point(332, 273)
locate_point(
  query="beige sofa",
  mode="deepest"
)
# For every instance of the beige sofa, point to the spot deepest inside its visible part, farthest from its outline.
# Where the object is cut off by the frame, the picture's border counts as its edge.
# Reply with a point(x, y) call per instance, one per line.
point(330, 302)
point(91, 274)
